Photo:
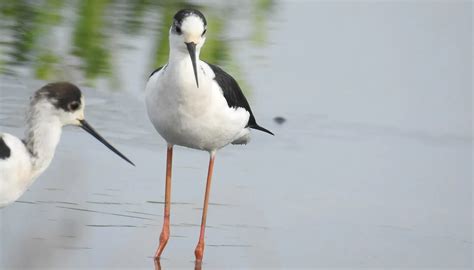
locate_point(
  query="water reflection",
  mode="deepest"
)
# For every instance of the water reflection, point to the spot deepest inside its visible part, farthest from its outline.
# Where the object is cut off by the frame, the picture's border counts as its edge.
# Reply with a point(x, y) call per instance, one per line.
point(197, 265)
point(157, 264)
point(90, 40)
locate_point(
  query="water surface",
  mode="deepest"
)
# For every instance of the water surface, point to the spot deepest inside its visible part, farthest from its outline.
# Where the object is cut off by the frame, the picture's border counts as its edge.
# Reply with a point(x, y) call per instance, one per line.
point(371, 169)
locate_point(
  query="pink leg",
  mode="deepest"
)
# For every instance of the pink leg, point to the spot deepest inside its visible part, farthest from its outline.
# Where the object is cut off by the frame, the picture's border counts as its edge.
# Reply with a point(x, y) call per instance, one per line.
point(200, 246)
point(165, 232)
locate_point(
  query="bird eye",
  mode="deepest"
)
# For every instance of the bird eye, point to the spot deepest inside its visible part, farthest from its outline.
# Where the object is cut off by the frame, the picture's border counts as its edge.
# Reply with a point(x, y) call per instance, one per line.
point(178, 30)
point(204, 32)
point(73, 106)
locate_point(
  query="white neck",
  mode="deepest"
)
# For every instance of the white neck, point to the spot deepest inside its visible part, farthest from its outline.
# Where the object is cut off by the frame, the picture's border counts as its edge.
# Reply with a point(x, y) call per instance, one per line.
point(180, 68)
point(178, 55)
point(42, 136)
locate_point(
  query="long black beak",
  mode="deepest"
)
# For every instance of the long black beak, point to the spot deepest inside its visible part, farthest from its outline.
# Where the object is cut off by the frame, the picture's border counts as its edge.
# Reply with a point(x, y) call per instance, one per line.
point(192, 52)
point(85, 126)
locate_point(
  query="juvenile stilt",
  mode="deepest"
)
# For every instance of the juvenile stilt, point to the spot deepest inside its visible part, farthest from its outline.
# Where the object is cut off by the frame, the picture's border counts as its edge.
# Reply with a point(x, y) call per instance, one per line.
point(52, 107)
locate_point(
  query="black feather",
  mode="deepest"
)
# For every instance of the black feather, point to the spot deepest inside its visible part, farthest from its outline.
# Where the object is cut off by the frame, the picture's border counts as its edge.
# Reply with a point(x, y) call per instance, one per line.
point(234, 96)
point(64, 95)
point(180, 15)
point(4, 149)
point(155, 71)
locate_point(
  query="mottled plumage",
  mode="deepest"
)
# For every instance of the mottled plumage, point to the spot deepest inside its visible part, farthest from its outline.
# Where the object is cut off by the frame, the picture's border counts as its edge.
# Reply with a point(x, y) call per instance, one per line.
point(22, 161)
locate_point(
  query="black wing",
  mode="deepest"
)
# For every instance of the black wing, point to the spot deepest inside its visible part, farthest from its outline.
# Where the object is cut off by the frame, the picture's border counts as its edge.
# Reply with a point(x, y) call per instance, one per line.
point(4, 149)
point(156, 70)
point(234, 96)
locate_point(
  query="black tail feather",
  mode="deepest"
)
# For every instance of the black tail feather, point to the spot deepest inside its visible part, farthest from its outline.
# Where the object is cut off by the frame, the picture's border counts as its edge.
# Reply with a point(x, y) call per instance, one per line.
point(257, 127)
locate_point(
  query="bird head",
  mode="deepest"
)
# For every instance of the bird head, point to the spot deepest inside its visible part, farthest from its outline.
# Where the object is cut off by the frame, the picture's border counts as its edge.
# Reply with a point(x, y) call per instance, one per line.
point(63, 101)
point(188, 34)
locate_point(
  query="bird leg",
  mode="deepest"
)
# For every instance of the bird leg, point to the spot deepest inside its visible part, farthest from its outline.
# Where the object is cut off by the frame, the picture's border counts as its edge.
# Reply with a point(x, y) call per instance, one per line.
point(157, 264)
point(199, 251)
point(165, 232)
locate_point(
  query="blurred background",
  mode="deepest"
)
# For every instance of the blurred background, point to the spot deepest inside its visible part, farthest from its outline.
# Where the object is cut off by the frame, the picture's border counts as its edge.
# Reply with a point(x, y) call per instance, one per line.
point(371, 165)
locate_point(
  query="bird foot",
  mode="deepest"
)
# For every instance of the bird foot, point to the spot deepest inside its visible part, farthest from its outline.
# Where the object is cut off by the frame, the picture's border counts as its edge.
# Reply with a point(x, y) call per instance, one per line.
point(199, 251)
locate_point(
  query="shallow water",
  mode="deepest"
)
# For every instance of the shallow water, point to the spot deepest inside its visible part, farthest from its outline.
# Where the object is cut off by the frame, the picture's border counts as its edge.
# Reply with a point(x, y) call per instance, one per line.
point(371, 169)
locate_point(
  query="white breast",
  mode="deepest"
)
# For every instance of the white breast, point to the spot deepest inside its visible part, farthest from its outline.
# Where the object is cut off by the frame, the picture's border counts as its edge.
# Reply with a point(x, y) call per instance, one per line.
point(189, 116)
point(15, 171)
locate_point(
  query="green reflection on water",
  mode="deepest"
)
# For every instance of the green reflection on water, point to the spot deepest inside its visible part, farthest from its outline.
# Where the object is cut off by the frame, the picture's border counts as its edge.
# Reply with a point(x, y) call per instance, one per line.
point(90, 41)
point(136, 11)
point(259, 33)
point(24, 28)
point(31, 29)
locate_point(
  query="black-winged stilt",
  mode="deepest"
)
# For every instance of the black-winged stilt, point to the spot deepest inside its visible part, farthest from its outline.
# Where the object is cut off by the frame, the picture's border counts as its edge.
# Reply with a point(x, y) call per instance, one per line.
point(21, 161)
point(195, 104)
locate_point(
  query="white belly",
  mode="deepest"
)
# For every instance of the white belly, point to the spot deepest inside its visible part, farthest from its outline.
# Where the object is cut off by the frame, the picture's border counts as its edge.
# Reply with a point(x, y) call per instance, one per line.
point(193, 117)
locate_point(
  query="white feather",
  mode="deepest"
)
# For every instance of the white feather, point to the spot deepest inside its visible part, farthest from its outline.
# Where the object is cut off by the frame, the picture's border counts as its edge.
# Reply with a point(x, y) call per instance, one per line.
point(194, 117)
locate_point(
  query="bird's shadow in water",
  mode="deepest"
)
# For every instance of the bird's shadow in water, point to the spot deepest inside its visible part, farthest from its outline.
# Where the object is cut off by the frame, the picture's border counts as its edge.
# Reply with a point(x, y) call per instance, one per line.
point(197, 265)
